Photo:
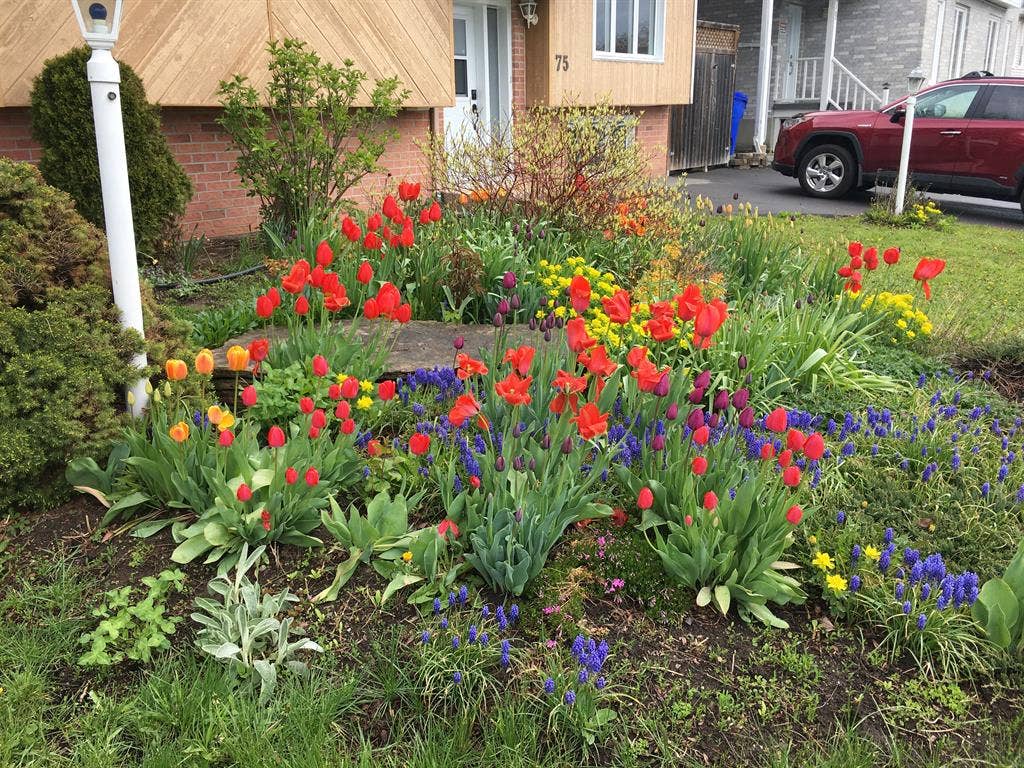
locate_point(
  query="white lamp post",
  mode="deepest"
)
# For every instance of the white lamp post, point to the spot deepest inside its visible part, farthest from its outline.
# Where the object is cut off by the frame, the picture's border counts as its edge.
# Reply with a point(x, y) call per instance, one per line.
point(100, 22)
point(915, 80)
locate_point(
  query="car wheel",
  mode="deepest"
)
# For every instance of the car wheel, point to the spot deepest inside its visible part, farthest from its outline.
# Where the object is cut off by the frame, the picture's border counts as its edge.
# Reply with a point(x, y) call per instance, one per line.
point(827, 171)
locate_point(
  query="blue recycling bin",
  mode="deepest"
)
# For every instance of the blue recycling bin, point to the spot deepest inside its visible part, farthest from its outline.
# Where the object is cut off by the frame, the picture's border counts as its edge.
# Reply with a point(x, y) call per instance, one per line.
point(739, 106)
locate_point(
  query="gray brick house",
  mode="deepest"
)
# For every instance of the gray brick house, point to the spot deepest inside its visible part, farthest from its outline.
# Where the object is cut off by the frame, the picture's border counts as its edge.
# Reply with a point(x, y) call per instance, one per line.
point(789, 62)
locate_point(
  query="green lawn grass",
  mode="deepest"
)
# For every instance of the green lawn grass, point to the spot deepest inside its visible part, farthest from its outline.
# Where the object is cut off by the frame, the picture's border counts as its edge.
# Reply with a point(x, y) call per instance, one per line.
point(977, 305)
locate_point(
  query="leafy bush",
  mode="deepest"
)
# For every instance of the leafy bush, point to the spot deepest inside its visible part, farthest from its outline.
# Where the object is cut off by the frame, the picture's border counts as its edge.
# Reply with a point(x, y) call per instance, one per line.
point(572, 165)
point(133, 630)
point(302, 144)
point(63, 353)
point(62, 122)
point(246, 629)
point(1000, 605)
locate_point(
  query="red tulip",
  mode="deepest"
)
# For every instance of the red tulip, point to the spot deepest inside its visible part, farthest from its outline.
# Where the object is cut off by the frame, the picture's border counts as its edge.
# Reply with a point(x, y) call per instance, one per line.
point(689, 302)
point(407, 238)
point(590, 421)
point(275, 437)
point(814, 447)
point(350, 387)
point(708, 320)
point(579, 294)
point(777, 420)
point(701, 435)
point(320, 366)
point(435, 211)
point(324, 254)
point(244, 493)
point(891, 256)
point(795, 440)
point(871, 258)
point(699, 465)
point(249, 396)
point(513, 389)
point(710, 500)
point(791, 476)
point(227, 437)
point(855, 249)
point(618, 307)
point(404, 313)
point(646, 498)
point(275, 297)
point(767, 451)
point(474, 481)
point(306, 405)
point(373, 223)
point(258, 350)
point(446, 526)
point(264, 307)
point(424, 216)
point(319, 420)
point(521, 358)
point(342, 410)
point(291, 475)
point(419, 444)
point(302, 306)
point(391, 209)
point(388, 299)
point(386, 390)
point(312, 477)
point(408, 190)
point(785, 458)
point(928, 269)
point(372, 241)
point(365, 273)
point(794, 514)
point(577, 337)
point(370, 309)
point(348, 426)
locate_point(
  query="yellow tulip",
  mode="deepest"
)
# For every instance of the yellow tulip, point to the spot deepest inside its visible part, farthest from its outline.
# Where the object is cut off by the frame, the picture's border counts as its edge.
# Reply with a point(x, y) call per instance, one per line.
point(226, 421)
point(238, 358)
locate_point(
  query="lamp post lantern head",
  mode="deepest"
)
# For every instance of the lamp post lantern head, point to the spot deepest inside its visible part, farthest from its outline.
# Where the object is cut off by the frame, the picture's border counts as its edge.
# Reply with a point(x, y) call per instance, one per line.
point(915, 80)
point(99, 22)
point(529, 10)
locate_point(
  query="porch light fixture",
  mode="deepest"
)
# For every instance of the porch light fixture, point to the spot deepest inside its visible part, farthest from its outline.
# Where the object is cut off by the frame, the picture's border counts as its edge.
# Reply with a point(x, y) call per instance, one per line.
point(100, 23)
point(914, 81)
point(529, 10)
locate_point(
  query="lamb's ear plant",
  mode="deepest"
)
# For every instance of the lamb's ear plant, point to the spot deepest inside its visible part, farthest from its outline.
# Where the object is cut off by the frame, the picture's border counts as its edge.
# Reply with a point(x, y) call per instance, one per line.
point(245, 630)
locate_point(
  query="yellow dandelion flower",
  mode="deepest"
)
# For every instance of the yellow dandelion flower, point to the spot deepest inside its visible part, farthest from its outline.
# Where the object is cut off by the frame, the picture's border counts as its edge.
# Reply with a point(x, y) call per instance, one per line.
point(872, 553)
point(823, 560)
point(835, 582)
point(364, 403)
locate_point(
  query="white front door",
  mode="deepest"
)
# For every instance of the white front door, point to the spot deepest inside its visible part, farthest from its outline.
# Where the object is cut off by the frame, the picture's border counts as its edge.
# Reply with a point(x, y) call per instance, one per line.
point(794, 24)
point(482, 63)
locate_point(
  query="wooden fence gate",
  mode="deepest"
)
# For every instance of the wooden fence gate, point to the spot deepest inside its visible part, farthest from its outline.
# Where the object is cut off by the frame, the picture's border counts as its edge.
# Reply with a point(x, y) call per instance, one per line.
point(699, 133)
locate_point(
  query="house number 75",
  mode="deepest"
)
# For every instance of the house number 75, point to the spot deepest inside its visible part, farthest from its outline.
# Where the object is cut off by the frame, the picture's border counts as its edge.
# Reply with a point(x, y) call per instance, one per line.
point(561, 62)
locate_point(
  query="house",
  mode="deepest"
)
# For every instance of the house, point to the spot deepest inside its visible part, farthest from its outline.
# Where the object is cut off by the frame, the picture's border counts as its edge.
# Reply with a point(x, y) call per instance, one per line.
point(799, 55)
point(462, 61)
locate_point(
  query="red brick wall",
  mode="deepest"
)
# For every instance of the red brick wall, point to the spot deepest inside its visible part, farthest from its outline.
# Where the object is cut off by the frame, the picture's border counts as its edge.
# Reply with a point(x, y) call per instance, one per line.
point(652, 133)
point(220, 205)
point(518, 60)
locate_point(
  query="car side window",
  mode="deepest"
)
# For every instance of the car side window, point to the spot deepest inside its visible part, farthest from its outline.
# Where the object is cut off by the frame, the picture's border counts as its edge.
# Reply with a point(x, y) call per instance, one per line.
point(1005, 103)
point(949, 103)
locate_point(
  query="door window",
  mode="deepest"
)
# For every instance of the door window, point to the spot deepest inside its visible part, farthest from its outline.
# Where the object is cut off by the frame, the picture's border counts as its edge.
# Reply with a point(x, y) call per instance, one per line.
point(1005, 103)
point(461, 59)
point(950, 103)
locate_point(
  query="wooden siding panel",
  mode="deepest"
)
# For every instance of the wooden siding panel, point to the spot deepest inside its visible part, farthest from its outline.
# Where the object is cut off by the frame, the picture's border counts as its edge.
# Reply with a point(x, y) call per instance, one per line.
point(625, 83)
point(182, 49)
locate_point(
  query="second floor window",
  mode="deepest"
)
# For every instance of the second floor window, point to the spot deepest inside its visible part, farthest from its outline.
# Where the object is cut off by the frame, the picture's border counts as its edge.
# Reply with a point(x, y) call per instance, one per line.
point(633, 29)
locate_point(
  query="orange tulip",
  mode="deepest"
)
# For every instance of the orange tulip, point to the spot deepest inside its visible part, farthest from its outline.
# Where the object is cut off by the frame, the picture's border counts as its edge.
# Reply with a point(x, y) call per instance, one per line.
point(176, 369)
point(238, 358)
point(179, 432)
point(204, 362)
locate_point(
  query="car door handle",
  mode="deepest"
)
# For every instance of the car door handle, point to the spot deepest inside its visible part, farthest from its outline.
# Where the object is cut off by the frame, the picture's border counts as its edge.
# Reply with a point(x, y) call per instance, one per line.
point(950, 133)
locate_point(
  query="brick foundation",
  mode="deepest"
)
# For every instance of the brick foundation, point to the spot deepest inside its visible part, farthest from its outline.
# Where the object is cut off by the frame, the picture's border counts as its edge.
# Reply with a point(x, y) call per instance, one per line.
point(220, 205)
point(652, 133)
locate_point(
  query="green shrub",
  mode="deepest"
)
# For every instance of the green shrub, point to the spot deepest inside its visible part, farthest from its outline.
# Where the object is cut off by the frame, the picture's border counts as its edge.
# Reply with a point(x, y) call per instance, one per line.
point(62, 122)
point(63, 353)
point(302, 144)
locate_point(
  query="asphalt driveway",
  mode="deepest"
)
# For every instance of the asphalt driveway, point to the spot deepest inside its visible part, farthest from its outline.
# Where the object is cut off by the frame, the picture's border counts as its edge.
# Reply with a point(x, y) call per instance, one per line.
point(771, 192)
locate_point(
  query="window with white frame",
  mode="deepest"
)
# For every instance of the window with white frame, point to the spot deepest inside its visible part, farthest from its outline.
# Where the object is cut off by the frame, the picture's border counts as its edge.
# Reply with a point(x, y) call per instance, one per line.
point(630, 29)
point(991, 43)
point(1020, 44)
point(961, 15)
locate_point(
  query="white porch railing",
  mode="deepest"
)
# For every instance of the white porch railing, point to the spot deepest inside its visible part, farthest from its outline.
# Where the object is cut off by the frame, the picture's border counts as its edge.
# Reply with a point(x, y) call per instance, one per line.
point(801, 80)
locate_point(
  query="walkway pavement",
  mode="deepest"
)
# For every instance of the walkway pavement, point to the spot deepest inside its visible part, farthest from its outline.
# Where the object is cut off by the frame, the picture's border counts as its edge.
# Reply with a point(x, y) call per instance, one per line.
point(771, 192)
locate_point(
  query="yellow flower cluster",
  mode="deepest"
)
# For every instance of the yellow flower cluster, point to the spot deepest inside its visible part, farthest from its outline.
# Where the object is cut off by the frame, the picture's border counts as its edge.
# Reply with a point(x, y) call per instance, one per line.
point(909, 321)
point(925, 213)
point(833, 581)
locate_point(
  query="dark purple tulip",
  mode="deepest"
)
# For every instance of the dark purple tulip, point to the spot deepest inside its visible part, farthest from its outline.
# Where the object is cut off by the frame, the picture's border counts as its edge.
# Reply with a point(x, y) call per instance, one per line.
point(662, 387)
point(747, 417)
point(503, 307)
point(697, 396)
point(703, 380)
point(545, 442)
point(559, 322)
point(533, 323)
point(672, 412)
point(499, 463)
point(742, 362)
point(740, 398)
point(515, 228)
point(747, 379)
point(567, 446)
point(519, 515)
point(547, 335)
point(499, 320)
point(713, 421)
point(509, 280)
point(459, 342)
point(518, 464)
point(532, 465)
point(541, 234)
point(721, 400)
point(658, 443)
point(516, 430)
point(696, 419)
point(515, 303)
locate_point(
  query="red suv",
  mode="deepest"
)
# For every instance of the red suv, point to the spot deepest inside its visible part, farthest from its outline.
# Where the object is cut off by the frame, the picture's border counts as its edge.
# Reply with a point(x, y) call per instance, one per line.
point(968, 139)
